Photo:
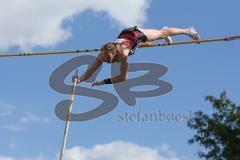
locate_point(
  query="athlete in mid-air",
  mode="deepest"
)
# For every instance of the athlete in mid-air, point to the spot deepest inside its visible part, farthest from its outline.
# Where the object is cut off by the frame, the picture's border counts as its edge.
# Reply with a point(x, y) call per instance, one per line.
point(127, 41)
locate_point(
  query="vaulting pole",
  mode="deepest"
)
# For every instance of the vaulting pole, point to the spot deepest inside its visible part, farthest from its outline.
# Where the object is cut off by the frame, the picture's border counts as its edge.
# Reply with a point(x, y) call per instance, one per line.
point(95, 50)
point(68, 118)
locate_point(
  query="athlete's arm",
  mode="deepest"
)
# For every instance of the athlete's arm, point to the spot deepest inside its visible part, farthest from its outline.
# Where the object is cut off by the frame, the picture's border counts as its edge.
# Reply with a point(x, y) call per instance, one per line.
point(123, 71)
point(98, 62)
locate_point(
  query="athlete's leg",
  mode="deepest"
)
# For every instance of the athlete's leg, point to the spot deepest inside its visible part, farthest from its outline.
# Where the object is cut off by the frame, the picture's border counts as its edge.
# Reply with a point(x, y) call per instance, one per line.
point(153, 34)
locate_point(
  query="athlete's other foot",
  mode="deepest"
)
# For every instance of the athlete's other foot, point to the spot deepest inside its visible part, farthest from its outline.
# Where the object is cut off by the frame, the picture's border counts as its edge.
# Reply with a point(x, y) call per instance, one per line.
point(192, 33)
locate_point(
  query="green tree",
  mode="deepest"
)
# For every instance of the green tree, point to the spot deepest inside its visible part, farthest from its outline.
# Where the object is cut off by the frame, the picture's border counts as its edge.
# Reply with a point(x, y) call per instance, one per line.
point(218, 133)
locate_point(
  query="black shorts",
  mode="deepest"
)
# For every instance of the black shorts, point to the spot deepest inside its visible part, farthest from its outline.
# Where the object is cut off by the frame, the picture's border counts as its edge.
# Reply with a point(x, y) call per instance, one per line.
point(138, 36)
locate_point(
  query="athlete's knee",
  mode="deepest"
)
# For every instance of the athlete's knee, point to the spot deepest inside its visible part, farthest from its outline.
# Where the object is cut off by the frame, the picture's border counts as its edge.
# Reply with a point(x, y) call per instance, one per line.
point(164, 32)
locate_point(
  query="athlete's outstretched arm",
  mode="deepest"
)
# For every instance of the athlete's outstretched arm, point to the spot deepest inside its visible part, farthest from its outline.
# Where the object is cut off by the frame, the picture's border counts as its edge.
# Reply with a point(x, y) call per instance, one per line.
point(98, 62)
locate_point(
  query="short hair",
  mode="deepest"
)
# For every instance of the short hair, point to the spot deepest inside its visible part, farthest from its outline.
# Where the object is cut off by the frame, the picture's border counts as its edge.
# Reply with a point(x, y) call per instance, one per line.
point(109, 48)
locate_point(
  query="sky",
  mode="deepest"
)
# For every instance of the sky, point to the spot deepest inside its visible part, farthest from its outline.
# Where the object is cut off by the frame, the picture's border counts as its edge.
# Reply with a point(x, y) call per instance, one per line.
point(29, 128)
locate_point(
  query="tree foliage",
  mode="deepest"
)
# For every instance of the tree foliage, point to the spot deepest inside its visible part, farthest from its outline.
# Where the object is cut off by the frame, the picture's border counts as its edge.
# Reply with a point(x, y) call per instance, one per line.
point(218, 133)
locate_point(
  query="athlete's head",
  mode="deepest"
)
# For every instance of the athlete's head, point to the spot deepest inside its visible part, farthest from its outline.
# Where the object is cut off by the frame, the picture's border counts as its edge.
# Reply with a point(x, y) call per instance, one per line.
point(109, 50)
